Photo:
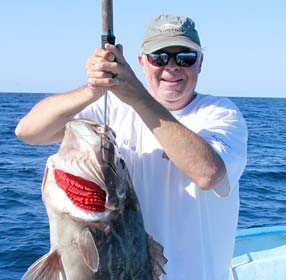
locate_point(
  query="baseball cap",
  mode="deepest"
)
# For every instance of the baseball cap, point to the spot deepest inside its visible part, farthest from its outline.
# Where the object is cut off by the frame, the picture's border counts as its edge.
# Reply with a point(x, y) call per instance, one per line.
point(168, 31)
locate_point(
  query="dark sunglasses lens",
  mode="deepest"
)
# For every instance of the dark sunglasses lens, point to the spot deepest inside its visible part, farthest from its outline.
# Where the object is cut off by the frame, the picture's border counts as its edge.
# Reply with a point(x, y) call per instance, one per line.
point(186, 59)
point(158, 59)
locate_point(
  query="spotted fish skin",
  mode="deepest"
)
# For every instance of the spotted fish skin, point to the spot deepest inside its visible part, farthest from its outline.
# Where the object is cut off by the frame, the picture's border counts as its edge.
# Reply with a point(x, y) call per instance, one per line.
point(110, 244)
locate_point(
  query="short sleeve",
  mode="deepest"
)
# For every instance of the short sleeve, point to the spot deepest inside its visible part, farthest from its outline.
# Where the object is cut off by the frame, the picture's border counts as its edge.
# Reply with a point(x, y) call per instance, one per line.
point(225, 130)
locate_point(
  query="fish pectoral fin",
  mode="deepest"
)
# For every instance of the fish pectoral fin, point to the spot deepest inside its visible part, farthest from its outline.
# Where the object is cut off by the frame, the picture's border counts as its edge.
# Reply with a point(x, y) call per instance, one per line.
point(157, 258)
point(49, 266)
point(88, 250)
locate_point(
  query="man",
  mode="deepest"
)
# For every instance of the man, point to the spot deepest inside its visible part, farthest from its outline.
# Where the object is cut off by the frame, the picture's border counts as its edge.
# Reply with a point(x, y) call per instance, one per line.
point(185, 151)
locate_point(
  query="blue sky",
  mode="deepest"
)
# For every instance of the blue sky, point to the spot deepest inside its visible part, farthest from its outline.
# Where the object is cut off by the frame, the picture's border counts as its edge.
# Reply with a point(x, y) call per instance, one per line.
point(45, 44)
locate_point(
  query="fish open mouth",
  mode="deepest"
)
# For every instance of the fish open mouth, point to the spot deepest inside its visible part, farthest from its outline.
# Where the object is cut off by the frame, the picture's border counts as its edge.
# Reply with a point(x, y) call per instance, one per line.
point(84, 194)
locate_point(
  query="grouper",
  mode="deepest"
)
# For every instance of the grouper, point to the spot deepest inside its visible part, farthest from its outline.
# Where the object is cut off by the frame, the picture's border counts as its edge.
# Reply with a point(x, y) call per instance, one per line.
point(96, 226)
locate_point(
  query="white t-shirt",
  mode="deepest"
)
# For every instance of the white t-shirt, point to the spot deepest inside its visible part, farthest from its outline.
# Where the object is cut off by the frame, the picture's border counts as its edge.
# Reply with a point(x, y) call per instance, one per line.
point(197, 228)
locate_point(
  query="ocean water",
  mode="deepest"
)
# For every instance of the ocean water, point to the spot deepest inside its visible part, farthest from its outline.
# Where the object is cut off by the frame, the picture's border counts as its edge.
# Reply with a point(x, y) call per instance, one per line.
point(24, 235)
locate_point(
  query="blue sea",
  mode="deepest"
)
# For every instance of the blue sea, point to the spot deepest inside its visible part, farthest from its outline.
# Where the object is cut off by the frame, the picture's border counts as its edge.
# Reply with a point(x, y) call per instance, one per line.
point(24, 235)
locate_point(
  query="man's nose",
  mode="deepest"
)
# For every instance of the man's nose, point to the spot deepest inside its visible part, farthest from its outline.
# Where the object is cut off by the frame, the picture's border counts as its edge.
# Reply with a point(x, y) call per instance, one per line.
point(172, 63)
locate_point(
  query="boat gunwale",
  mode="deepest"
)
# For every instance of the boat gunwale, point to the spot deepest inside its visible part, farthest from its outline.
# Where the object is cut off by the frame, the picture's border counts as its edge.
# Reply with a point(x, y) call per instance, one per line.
point(260, 231)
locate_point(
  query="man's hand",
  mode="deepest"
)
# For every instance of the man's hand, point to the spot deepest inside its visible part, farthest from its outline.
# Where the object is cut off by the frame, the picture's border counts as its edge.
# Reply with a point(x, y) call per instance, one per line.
point(107, 69)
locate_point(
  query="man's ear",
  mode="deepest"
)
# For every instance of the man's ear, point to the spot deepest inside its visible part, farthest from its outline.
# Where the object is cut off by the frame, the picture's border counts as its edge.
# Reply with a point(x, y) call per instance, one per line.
point(141, 62)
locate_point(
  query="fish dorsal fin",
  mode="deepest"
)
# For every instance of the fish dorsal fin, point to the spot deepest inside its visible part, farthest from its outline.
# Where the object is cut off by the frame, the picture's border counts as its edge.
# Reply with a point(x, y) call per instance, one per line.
point(157, 258)
point(48, 267)
point(88, 250)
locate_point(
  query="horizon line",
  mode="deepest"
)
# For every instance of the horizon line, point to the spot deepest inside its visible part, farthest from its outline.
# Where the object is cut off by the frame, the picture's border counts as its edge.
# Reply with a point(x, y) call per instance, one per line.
point(228, 96)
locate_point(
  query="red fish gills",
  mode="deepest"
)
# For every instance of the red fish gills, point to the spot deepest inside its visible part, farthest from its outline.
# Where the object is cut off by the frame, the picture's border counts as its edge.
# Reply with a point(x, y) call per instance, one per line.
point(83, 193)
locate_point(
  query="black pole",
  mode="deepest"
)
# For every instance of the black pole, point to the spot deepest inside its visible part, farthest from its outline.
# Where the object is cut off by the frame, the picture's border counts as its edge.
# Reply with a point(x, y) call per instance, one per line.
point(107, 23)
point(107, 37)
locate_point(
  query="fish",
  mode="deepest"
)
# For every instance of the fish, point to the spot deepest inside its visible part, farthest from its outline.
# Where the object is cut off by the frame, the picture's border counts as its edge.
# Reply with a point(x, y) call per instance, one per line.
point(96, 225)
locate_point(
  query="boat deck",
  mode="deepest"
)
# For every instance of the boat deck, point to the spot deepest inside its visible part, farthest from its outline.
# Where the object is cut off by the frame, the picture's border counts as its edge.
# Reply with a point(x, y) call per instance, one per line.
point(260, 253)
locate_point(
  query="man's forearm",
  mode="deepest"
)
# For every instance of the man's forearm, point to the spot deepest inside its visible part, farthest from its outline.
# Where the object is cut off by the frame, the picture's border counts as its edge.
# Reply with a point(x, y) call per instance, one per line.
point(186, 149)
point(44, 124)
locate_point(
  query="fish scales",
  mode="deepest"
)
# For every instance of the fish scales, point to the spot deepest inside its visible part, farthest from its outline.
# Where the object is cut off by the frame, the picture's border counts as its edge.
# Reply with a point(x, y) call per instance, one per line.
point(96, 226)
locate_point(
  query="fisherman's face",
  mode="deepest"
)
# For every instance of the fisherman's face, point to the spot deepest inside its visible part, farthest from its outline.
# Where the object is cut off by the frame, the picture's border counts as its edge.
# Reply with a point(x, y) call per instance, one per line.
point(171, 85)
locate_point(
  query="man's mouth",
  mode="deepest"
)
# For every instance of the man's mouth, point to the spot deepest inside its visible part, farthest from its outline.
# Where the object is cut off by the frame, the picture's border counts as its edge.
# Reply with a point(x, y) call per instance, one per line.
point(171, 81)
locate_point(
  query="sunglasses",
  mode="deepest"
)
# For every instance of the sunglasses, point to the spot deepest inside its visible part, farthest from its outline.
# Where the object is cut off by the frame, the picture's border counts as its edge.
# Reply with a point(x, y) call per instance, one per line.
point(184, 59)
